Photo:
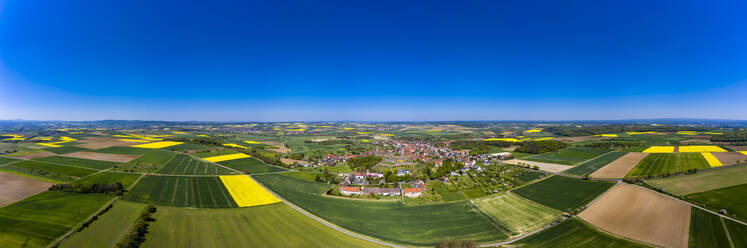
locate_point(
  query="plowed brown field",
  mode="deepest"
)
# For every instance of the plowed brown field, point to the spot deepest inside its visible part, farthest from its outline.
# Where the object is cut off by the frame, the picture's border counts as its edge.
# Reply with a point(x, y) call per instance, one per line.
point(14, 188)
point(620, 167)
point(121, 158)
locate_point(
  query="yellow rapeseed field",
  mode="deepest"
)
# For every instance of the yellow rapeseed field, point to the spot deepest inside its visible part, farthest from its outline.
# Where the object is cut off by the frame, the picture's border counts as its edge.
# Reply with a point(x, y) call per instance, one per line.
point(226, 157)
point(296, 130)
point(713, 133)
point(179, 132)
point(701, 149)
point(348, 128)
point(533, 131)
point(744, 152)
point(386, 134)
point(363, 132)
point(234, 145)
point(687, 132)
point(252, 142)
point(203, 135)
point(49, 144)
point(545, 138)
point(157, 145)
point(608, 135)
point(364, 140)
point(712, 160)
point(659, 149)
point(246, 192)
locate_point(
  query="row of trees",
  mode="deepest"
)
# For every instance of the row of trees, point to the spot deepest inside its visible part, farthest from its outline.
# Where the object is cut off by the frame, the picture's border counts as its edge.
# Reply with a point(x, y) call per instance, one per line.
point(615, 144)
point(86, 188)
point(478, 146)
point(136, 235)
point(730, 137)
point(364, 163)
point(616, 128)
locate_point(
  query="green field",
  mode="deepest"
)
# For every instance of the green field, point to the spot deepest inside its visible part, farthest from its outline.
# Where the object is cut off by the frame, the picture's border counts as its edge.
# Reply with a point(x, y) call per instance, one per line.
point(657, 164)
point(593, 165)
point(5, 160)
point(308, 176)
point(518, 214)
point(706, 230)
point(52, 171)
point(38, 220)
point(390, 220)
point(151, 161)
point(568, 156)
point(111, 177)
point(187, 147)
point(733, 199)
point(214, 153)
point(702, 181)
point(65, 149)
point(79, 162)
point(187, 165)
point(180, 191)
point(109, 228)
point(250, 165)
point(563, 193)
point(737, 232)
point(574, 233)
point(275, 225)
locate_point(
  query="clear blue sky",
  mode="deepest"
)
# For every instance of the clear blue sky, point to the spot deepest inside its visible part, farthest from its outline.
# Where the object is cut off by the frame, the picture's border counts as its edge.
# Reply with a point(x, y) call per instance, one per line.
point(372, 60)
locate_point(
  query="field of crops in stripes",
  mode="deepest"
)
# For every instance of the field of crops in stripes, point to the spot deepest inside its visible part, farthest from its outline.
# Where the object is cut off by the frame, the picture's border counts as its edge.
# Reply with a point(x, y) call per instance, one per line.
point(187, 165)
point(181, 191)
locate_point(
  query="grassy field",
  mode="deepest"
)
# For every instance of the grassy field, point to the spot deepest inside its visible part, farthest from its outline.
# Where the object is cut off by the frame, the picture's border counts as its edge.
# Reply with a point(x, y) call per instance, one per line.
point(657, 164)
point(275, 225)
point(738, 233)
point(65, 149)
point(518, 214)
point(574, 233)
point(151, 161)
point(93, 164)
point(111, 177)
point(706, 230)
point(108, 229)
point(187, 165)
point(5, 160)
point(301, 175)
point(390, 220)
point(563, 193)
point(593, 165)
point(250, 165)
point(53, 171)
point(702, 181)
point(568, 156)
point(187, 146)
point(38, 220)
point(196, 192)
point(730, 198)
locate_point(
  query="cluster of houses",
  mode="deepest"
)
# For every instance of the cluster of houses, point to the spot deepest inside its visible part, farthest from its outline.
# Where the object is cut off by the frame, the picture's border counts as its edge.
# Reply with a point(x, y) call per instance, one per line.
point(358, 184)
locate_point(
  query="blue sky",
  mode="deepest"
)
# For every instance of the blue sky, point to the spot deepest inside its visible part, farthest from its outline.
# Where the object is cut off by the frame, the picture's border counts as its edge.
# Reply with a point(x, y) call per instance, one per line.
point(372, 60)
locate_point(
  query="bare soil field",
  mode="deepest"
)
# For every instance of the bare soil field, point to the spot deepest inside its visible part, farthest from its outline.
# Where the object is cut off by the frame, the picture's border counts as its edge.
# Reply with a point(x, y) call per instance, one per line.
point(580, 138)
point(728, 158)
point(640, 214)
point(121, 158)
point(699, 136)
point(100, 143)
point(34, 155)
point(542, 166)
point(280, 147)
point(620, 167)
point(14, 188)
point(291, 161)
point(707, 141)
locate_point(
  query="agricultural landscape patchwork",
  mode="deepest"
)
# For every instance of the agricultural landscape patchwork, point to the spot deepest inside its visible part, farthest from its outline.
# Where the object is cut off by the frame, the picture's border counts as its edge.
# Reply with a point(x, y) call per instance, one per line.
point(370, 184)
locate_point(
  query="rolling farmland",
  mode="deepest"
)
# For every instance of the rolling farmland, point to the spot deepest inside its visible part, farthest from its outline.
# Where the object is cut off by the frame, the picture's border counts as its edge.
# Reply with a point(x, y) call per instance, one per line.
point(594, 164)
point(108, 229)
point(52, 171)
point(658, 164)
point(250, 165)
point(574, 233)
point(568, 156)
point(391, 221)
point(38, 220)
point(706, 230)
point(702, 181)
point(187, 165)
point(111, 177)
point(79, 162)
point(518, 214)
point(563, 193)
point(732, 199)
point(275, 225)
point(182, 191)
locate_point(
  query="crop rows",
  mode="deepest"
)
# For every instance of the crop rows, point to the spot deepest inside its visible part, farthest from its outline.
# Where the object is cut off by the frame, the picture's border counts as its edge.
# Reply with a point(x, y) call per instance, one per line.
point(197, 192)
point(186, 165)
point(657, 164)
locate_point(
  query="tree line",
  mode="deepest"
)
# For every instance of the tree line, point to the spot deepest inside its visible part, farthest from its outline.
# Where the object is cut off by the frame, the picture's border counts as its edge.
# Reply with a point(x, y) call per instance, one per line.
point(541, 146)
point(136, 235)
point(87, 188)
